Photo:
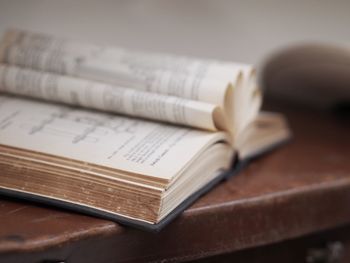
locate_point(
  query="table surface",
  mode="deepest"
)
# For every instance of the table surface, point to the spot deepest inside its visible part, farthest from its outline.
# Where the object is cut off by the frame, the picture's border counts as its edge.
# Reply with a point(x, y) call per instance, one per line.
point(300, 188)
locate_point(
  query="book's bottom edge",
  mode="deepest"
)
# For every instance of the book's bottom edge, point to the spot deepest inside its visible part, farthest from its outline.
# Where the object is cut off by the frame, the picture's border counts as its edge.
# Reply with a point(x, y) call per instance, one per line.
point(142, 225)
point(236, 167)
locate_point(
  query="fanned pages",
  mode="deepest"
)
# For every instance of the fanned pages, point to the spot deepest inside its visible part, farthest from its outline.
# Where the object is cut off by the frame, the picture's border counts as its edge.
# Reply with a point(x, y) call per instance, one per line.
point(193, 79)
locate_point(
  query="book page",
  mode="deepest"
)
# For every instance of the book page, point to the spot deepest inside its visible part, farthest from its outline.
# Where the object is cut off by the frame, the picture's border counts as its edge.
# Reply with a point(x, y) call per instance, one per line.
point(117, 142)
point(265, 132)
point(18, 37)
point(130, 59)
point(174, 75)
point(220, 83)
point(117, 71)
point(95, 95)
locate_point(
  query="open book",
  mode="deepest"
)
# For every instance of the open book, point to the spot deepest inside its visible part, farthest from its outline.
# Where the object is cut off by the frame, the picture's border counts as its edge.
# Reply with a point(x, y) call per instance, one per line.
point(124, 134)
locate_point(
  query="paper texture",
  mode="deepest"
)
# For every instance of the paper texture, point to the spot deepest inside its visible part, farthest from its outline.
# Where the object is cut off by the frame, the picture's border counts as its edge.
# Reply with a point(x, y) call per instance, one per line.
point(230, 86)
point(121, 143)
point(95, 95)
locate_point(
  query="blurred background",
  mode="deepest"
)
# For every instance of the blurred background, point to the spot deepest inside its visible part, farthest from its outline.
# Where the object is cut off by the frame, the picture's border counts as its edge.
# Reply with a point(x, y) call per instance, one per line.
point(240, 31)
point(243, 31)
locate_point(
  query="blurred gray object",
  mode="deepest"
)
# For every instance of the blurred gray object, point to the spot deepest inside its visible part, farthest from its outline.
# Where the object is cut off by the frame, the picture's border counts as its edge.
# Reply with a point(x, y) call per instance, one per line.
point(313, 74)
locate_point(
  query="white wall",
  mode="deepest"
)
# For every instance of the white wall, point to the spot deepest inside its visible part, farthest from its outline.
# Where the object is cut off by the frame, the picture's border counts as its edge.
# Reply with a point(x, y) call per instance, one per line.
point(233, 30)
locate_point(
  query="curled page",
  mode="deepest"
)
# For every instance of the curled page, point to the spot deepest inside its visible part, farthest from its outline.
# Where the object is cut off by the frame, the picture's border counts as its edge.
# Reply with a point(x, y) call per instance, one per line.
point(231, 86)
point(194, 84)
point(96, 95)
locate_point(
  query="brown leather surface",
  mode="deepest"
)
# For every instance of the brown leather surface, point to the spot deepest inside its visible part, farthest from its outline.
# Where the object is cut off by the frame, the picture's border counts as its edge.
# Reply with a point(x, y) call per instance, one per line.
point(299, 189)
